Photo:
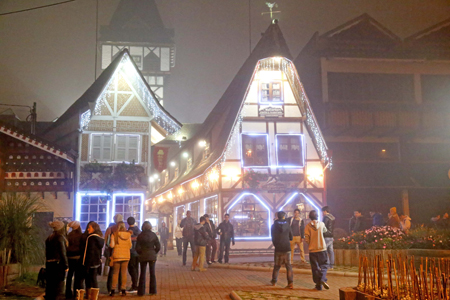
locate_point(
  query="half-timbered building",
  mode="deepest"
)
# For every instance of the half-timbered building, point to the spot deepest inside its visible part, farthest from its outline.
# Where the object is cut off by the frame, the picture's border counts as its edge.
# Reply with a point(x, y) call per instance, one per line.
point(259, 151)
point(112, 127)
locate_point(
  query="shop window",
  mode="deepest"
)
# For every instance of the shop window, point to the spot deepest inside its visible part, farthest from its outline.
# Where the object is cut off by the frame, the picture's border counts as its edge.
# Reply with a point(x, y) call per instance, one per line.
point(94, 208)
point(127, 148)
point(255, 152)
point(302, 203)
point(180, 213)
point(290, 150)
point(271, 92)
point(101, 147)
point(250, 217)
point(212, 208)
point(194, 207)
point(128, 206)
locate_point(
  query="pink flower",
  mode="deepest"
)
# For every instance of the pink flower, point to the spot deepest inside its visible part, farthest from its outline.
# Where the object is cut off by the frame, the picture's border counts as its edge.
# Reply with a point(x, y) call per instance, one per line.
point(384, 247)
point(376, 241)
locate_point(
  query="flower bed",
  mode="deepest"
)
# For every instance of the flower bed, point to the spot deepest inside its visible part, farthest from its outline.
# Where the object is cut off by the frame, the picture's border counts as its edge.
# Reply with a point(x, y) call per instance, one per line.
point(385, 238)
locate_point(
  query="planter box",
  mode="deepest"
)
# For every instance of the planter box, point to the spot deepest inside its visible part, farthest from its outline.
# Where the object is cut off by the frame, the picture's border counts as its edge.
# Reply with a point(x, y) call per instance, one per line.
point(352, 294)
point(9, 273)
point(350, 257)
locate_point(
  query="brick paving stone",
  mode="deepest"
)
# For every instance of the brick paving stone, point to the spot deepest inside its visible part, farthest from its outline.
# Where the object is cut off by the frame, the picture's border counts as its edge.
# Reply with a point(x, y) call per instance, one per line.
point(175, 281)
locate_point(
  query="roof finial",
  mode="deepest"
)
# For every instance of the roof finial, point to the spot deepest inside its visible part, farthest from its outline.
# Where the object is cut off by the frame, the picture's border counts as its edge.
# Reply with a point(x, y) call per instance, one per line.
point(271, 12)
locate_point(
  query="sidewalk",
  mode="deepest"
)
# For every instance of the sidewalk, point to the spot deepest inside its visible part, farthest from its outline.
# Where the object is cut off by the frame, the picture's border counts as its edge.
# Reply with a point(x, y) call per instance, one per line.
point(177, 282)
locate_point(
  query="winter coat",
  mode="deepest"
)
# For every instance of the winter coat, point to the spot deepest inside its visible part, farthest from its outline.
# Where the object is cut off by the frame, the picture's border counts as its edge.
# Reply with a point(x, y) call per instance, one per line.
point(281, 235)
point(227, 231)
point(163, 233)
point(122, 246)
point(211, 229)
point(55, 250)
point(377, 220)
point(147, 246)
point(329, 220)
point(178, 232)
point(188, 226)
point(301, 224)
point(314, 236)
point(92, 256)
point(405, 224)
point(201, 237)
point(73, 250)
point(356, 224)
point(135, 231)
point(394, 221)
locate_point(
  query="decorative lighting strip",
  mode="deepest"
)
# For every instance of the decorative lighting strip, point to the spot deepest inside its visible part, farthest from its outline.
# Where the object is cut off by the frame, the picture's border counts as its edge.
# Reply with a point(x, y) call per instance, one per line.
point(35, 143)
point(85, 119)
point(307, 199)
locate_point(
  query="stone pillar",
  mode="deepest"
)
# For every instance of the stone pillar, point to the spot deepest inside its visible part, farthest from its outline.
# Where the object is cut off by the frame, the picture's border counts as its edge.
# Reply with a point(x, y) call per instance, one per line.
point(405, 202)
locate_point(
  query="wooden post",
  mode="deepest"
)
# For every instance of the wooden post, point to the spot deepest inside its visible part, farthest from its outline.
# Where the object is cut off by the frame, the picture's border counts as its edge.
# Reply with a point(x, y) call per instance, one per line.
point(405, 201)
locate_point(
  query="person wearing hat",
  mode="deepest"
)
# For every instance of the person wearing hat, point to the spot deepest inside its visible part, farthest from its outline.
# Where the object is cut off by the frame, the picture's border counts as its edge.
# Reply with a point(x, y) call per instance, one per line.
point(211, 246)
point(394, 220)
point(73, 256)
point(56, 261)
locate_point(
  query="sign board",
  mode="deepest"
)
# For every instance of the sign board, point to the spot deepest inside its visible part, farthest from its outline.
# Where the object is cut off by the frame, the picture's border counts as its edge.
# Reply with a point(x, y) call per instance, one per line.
point(160, 158)
point(271, 112)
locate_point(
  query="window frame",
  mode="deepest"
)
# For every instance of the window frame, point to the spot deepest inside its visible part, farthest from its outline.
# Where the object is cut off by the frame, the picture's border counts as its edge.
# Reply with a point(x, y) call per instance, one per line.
point(138, 152)
point(91, 146)
point(270, 96)
point(302, 147)
point(267, 149)
point(114, 147)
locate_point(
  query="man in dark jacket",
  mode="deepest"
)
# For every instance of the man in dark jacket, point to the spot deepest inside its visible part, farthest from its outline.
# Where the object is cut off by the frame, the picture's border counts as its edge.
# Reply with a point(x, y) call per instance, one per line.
point(133, 264)
point(357, 222)
point(212, 245)
point(56, 261)
point(377, 218)
point(188, 224)
point(73, 255)
point(201, 239)
point(226, 232)
point(329, 220)
point(298, 233)
point(147, 246)
point(281, 239)
point(163, 236)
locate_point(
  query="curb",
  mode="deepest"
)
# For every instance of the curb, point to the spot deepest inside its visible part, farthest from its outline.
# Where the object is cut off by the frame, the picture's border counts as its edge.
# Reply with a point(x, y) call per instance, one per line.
point(235, 296)
point(270, 269)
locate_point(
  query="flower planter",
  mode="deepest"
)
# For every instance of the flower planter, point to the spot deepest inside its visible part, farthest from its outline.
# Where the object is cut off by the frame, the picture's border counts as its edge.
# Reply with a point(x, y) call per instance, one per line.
point(350, 257)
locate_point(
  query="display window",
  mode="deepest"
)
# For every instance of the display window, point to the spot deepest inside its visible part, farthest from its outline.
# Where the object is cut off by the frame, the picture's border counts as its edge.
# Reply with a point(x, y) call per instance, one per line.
point(93, 208)
point(194, 207)
point(255, 150)
point(250, 217)
point(212, 208)
point(290, 150)
point(180, 213)
point(303, 203)
point(129, 205)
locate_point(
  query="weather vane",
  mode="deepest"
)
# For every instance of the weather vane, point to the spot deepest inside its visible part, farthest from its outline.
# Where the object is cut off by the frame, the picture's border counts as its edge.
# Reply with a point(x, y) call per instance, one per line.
point(271, 12)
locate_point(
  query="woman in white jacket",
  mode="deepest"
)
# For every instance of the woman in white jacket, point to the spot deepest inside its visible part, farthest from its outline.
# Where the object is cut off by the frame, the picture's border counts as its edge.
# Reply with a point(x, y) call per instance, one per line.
point(121, 245)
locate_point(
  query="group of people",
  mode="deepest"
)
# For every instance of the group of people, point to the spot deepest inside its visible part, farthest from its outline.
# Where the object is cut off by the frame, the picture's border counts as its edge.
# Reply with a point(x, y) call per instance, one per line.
point(359, 223)
point(80, 255)
point(288, 232)
point(201, 237)
point(441, 222)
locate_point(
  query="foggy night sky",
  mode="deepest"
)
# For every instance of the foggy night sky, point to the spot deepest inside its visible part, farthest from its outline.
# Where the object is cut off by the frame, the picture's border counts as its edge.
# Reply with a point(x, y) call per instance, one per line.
point(48, 55)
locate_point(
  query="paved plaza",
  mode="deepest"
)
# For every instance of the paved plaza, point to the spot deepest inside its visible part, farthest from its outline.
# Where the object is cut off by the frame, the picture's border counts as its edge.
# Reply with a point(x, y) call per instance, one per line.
point(178, 282)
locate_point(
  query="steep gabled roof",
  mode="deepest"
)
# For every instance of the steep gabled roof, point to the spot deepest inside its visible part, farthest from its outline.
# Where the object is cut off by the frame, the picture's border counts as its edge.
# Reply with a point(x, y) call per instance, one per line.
point(439, 32)
point(224, 115)
point(136, 21)
point(88, 100)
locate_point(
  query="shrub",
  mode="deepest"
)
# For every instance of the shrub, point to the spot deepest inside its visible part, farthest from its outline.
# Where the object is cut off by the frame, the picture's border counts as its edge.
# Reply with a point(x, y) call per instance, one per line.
point(16, 230)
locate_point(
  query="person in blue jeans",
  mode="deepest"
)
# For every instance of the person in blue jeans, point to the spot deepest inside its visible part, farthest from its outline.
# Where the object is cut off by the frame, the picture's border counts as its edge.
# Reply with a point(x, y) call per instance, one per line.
point(328, 220)
point(317, 250)
point(281, 238)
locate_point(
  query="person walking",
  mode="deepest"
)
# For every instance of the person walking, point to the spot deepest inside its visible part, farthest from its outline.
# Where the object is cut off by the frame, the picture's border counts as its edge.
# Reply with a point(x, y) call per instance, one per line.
point(147, 246)
point(56, 263)
point(163, 236)
point(394, 220)
point(73, 256)
point(121, 245)
point(133, 265)
point(226, 232)
point(328, 220)
point(317, 250)
point(211, 246)
point(188, 224)
point(92, 259)
point(179, 239)
point(357, 222)
point(282, 236)
point(201, 239)
point(298, 231)
point(109, 251)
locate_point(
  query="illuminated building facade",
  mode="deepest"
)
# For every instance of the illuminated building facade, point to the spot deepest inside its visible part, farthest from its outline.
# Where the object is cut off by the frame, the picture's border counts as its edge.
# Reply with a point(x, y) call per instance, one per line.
point(383, 105)
point(260, 150)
